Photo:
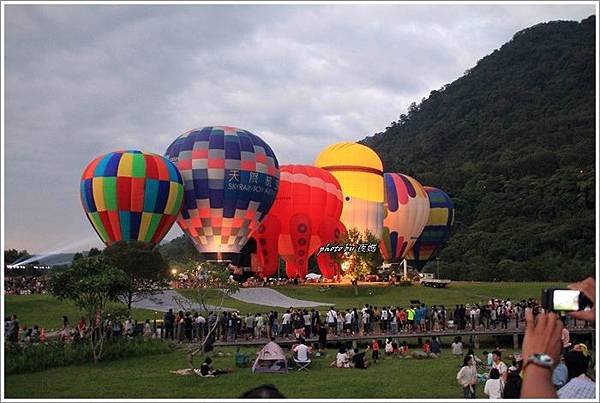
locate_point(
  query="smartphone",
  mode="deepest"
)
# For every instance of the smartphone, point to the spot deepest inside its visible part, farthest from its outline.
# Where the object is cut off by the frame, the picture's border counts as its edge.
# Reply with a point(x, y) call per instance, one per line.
point(564, 300)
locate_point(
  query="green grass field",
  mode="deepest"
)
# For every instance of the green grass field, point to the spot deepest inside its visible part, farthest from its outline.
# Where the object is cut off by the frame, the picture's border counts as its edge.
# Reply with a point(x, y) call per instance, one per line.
point(46, 311)
point(456, 293)
point(149, 377)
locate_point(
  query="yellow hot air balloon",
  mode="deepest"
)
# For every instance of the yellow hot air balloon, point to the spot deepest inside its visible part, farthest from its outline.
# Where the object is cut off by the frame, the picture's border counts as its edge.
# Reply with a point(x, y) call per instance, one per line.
point(359, 171)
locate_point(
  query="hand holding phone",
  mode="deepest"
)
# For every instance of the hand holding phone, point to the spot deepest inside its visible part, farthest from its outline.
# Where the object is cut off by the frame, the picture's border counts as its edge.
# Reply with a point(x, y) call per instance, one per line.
point(564, 300)
point(588, 288)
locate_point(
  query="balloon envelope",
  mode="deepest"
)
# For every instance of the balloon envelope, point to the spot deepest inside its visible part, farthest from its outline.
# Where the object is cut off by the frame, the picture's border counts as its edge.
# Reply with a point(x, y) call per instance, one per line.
point(131, 195)
point(230, 181)
point(359, 171)
point(407, 210)
point(307, 197)
point(436, 231)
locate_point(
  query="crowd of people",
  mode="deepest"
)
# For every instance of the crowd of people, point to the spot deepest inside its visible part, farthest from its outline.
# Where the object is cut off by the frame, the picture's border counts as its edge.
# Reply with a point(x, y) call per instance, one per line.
point(25, 285)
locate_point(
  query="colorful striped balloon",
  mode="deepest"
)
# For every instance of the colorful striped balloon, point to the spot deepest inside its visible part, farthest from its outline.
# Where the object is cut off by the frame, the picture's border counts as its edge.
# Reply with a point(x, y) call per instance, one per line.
point(437, 230)
point(407, 209)
point(131, 195)
point(231, 178)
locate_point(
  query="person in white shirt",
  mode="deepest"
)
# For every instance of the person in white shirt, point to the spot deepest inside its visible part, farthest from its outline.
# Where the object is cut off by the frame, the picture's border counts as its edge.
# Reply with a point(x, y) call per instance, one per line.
point(285, 323)
point(302, 351)
point(457, 348)
point(348, 320)
point(498, 364)
point(331, 320)
point(129, 327)
point(467, 377)
point(494, 385)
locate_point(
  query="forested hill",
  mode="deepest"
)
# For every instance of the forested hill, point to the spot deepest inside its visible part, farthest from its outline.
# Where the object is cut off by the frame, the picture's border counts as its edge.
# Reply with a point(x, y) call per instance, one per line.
point(513, 143)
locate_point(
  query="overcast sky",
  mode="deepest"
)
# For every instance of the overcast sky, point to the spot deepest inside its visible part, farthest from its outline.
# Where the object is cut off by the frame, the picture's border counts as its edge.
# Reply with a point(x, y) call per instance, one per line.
point(81, 81)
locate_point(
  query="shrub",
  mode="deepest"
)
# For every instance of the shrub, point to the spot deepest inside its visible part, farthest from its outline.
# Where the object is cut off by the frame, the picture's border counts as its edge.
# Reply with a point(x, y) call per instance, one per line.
point(38, 357)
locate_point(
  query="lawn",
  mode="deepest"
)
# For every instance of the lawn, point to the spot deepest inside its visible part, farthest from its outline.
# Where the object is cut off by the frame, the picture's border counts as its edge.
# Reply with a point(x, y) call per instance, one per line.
point(149, 377)
point(456, 293)
point(47, 311)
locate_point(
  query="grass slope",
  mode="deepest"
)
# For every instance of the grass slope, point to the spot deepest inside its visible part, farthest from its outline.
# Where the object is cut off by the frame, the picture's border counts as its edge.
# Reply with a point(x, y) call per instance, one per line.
point(148, 377)
point(47, 311)
point(456, 293)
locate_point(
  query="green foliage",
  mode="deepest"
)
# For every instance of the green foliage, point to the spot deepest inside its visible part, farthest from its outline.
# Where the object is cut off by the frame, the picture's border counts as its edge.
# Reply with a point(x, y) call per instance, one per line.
point(91, 283)
point(512, 142)
point(358, 263)
point(12, 255)
point(180, 250)
point(38, 357)
point(144, 266)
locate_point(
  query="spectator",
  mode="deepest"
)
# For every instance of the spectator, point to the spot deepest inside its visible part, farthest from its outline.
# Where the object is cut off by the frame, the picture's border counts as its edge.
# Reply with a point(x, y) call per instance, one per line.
point(498, 364)
point(494, 385)
point(358, 359)
point(435, 346)
point(542, 346)
point(169, 320)
point(457, 347)
point(467, 377)
point(375, 348)
point(302, 351)
point(560, 375)
point(512, 389)
point(580, 385)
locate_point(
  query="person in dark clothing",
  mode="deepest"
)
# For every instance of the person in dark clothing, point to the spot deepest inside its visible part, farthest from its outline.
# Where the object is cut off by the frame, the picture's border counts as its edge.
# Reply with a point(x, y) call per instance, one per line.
point(512, 388)
point(434, 347)
point(206, 369)
point(169, 320)
point(359, 360)
point(188, 326)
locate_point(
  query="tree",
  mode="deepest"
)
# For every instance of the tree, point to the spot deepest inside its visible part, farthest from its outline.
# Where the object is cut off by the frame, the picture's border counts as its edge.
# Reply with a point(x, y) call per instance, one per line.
point(94, 252)
point(13, 255)
point(360, 257)
point(91, 283)
point(210, 283)
point(144, 266)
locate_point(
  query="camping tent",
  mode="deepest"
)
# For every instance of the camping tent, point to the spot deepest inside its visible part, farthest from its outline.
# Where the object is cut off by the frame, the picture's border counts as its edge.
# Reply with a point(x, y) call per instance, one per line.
point(270, 359)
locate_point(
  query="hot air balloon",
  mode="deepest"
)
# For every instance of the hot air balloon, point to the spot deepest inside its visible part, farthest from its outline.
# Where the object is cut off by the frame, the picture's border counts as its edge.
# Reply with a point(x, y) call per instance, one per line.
point(131, 195)
point(267, 237)
point(436, 231)
point(307, 197)
point(230, 181)
point(331, 231)
point(359, 172)
point(407, 210)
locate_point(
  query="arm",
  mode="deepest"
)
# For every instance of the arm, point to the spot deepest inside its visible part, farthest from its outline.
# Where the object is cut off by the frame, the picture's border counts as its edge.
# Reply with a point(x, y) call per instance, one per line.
point(540, 337)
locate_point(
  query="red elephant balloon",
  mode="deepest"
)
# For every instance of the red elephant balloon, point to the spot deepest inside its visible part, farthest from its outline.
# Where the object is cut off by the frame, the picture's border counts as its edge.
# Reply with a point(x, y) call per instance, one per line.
point(266, 237)
point(331, 230)
point(307, 198)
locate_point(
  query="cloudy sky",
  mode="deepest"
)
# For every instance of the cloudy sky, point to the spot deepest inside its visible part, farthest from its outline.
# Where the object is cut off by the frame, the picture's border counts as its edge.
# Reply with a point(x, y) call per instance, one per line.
point(81, 81)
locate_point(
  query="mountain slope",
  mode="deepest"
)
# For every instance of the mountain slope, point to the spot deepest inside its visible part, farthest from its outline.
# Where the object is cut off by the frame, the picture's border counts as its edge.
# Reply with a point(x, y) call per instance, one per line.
point(513, 143)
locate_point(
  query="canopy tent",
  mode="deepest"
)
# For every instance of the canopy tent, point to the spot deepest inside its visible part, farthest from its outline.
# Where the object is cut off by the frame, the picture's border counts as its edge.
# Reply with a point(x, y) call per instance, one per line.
point(270, 359)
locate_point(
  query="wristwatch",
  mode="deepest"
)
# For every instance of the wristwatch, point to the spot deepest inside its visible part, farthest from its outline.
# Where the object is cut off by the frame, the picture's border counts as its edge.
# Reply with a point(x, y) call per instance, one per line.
point(540, 359)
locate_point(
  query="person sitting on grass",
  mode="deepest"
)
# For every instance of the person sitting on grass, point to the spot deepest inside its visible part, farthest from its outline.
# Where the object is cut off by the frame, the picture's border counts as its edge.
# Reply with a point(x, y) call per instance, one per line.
point(389, 348)
point(341, 360)
point(404, 349)
point(358, 360)
point(207, 370)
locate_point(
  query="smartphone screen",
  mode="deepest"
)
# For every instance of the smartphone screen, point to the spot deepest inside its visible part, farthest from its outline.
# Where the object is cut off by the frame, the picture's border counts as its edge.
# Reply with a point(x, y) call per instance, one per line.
point(565, 300)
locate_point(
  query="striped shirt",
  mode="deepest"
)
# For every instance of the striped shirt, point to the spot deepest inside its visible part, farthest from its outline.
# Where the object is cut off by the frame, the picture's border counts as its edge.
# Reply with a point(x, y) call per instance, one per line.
point(580, 387)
